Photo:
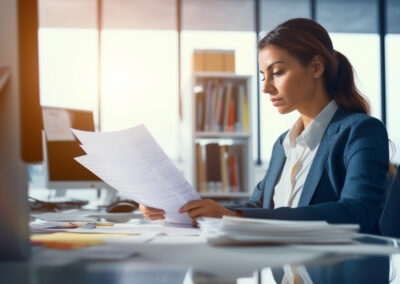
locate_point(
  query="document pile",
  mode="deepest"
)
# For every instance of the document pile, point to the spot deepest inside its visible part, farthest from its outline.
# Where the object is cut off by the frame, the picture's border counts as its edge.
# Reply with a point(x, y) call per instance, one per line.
point(234, 230)
point(133, 163)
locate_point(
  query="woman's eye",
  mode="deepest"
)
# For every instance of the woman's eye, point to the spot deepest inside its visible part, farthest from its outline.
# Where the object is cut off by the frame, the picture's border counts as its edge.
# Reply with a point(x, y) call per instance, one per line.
point(263, 79)
point(277, 73)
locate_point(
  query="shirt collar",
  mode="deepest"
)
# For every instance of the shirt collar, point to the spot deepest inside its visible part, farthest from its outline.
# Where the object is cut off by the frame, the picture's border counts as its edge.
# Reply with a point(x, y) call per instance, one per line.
point(312, 135)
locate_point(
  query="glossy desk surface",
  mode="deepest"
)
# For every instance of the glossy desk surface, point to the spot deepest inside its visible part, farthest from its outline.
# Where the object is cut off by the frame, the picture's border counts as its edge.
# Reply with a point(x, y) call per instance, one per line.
point(189, 259)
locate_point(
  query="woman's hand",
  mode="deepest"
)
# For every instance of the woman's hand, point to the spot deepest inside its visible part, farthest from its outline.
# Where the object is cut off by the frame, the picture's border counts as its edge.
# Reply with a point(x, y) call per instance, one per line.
point(152, 213)
point(206, 208)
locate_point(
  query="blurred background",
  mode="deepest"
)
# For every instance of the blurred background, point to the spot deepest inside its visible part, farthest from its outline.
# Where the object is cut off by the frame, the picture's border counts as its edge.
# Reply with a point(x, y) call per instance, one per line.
point(131, 62)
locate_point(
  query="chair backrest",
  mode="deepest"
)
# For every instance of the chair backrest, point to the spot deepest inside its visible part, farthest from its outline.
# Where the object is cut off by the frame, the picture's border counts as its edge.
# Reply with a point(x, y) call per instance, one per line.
point(389, 222)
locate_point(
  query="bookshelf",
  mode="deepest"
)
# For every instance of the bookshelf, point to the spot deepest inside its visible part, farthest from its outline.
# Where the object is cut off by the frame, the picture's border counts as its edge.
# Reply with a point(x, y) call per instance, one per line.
point(222, 140)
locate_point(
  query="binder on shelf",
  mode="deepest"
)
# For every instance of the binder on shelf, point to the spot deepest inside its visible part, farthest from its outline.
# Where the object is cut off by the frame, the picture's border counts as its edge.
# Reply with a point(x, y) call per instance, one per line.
point(213, 167)
point(236, 160)
point(227, 107)
point(232, 173)
point(231, 122)
point(200, 111)
point(219, 108)
point(209, 104)
point(245, 114)
point(224, 168)
point(201, 171)
point(214, 109)
point(239, 126)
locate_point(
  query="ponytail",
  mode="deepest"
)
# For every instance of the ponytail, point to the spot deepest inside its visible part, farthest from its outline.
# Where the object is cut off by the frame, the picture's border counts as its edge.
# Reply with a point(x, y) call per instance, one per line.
point(342, 88)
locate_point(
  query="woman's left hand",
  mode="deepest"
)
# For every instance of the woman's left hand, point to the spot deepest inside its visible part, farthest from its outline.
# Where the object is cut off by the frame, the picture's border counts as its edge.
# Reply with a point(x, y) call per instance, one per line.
point(205, 208)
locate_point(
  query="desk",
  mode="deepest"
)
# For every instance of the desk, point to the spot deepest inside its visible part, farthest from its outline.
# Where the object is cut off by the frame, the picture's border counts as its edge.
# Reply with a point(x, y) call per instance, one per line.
point(188, 259)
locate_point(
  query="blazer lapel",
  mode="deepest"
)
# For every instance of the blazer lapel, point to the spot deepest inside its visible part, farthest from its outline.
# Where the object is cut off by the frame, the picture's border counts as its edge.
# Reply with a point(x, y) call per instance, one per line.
point(274, 171)
point(317, 166)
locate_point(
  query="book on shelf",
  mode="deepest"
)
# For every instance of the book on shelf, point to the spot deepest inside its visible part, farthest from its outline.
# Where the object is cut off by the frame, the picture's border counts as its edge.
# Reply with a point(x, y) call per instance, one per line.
point(239, 124)
point(227, 106)
point(223, 156)
point(209, 105)
point(200, 111)
point(245, 113)
point(213, 167)
point(235, 167)
point(222, 169)
point(221, 106)
point(201, 171)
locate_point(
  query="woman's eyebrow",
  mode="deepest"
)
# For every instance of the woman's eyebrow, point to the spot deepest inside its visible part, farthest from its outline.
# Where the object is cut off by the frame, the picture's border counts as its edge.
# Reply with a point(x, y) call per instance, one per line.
point(273, 63)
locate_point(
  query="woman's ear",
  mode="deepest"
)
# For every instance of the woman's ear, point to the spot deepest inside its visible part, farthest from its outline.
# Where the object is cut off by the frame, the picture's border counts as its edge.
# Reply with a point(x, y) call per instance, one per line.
point(318, 66)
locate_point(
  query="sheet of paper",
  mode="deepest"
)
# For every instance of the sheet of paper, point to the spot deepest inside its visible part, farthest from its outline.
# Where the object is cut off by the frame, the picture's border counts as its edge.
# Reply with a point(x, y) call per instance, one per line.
point(132, 162)
point(65, 216)
point(57, 124)
point(141, 229)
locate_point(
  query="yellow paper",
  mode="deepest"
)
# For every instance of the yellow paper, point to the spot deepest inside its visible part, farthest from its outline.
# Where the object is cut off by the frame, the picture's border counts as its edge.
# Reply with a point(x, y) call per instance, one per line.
point(90, 239)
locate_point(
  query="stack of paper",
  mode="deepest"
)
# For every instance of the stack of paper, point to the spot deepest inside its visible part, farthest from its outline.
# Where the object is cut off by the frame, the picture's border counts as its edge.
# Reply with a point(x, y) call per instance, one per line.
point(133, 163)
point(234, 230)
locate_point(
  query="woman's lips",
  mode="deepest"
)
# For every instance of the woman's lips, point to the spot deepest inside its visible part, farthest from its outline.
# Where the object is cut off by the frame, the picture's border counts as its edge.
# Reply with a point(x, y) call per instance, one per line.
point(275, 101)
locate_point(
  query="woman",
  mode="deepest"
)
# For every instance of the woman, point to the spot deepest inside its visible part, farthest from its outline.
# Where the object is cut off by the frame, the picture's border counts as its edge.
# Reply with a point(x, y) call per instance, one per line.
point(331, 164)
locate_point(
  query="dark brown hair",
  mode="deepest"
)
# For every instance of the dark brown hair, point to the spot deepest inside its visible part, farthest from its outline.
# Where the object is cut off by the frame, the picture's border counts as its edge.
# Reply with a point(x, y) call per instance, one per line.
point(304, 39)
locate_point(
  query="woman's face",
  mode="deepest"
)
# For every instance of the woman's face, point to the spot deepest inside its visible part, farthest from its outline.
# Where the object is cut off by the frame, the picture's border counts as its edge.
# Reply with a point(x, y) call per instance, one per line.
point(290, 84)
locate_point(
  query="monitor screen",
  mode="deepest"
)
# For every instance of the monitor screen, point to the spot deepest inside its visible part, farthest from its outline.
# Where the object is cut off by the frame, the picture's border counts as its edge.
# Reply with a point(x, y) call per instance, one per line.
point(62, 170)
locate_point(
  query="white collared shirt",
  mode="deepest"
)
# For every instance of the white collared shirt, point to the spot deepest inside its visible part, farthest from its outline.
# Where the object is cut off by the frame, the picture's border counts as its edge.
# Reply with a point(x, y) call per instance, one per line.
point(300, 149)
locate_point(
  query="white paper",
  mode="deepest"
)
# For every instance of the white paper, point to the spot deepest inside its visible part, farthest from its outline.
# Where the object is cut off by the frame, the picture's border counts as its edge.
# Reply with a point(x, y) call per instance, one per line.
point(133, 163)
point(65, 216)
point(57, 124)
point(234, 230)
point(141, 229)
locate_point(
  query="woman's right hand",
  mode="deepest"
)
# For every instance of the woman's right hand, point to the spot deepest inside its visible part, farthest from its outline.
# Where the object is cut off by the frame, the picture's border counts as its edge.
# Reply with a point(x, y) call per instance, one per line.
point(152, 213)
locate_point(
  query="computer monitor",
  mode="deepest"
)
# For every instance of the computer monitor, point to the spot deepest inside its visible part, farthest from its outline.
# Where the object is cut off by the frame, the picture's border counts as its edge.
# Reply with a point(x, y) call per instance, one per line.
point(62, 170)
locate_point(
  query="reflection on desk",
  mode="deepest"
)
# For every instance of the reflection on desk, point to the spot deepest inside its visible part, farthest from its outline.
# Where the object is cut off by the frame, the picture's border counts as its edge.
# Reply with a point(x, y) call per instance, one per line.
point(174, 258)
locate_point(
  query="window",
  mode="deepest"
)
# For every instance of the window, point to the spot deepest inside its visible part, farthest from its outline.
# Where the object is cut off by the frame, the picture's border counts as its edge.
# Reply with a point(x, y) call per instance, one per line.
point(68, 54)
point(273, 124)
point(138, 63)
point(68, 67)
point(140, 83)
point(392, 82)
point(362, 50)
point(353, 27)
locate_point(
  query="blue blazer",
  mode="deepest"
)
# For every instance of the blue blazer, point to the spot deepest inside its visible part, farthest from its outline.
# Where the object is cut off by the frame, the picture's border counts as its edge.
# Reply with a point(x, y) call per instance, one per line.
point(346, 181)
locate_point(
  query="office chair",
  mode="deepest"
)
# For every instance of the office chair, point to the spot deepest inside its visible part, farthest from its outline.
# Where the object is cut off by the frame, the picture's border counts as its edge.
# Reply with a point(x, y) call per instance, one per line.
point(389, 222)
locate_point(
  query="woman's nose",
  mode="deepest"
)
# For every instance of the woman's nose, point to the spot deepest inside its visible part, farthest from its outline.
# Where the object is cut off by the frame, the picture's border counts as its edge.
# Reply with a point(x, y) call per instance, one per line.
point(268, 87)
